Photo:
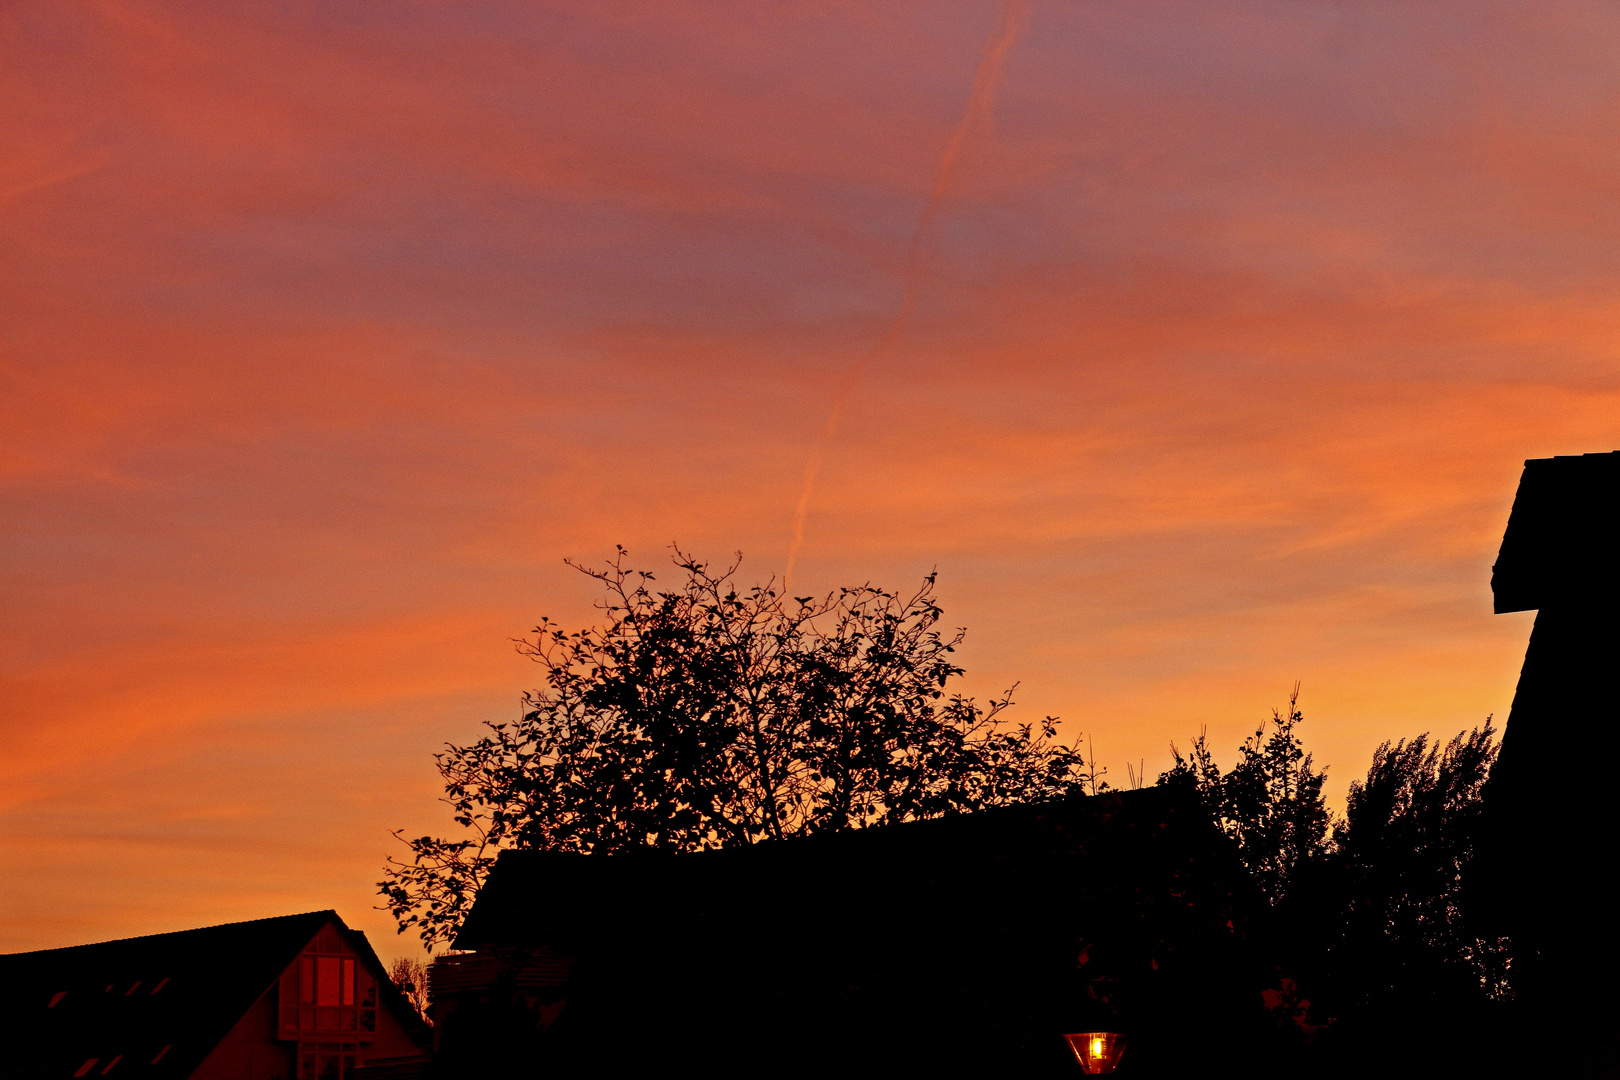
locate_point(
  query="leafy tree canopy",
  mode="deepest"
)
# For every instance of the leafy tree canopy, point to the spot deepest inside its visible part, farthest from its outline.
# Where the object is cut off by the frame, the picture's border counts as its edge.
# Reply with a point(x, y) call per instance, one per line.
point(709, 715)
point(1271, 803)
point(1380, 913)
point(1405, 870)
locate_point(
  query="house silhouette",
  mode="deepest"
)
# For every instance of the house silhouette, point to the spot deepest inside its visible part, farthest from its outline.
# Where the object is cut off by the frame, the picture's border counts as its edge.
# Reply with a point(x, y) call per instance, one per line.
point(952, 946)
point(299, 997)
point(1551, 796)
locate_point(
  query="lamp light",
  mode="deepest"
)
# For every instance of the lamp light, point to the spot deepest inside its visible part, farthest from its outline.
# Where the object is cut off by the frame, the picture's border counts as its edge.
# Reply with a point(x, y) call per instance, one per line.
point(1098, 1051)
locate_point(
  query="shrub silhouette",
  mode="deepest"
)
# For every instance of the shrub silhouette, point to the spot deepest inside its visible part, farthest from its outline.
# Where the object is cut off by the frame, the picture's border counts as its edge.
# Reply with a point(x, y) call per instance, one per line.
point(1270, 804)
point(1380, 921)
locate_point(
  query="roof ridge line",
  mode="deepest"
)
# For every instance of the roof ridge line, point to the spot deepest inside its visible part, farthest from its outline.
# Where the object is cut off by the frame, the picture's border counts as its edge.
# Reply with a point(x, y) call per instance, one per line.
point(173, 933)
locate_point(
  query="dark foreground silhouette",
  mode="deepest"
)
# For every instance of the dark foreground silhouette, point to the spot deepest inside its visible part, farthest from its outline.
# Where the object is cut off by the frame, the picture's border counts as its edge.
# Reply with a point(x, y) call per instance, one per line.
point(1435, 939)
point(300, 997)
point(1551, 800)
point(1212, 919)
point(957, 946)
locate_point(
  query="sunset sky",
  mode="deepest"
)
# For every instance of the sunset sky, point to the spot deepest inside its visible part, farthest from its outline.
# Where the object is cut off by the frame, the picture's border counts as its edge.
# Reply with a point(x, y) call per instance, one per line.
point(328, 330)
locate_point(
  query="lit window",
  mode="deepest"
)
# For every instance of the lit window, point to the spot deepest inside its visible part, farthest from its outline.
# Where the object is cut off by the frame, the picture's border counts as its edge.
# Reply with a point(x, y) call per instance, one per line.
point(326, 980)
point(84, 1070)
point(328, 991)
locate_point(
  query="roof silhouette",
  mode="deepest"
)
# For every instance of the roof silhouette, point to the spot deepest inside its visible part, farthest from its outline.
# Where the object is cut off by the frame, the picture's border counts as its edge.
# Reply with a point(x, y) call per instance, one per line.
point(132, 997)
point(1562, 534)
point(931, 944)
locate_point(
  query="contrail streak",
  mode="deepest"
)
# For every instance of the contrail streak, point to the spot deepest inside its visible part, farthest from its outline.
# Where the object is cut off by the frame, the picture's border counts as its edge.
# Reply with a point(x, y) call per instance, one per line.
point(981, 101)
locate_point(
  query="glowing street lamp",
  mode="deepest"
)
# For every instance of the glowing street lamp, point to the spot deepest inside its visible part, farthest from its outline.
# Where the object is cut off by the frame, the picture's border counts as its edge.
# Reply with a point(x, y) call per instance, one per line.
point(1098, 1051)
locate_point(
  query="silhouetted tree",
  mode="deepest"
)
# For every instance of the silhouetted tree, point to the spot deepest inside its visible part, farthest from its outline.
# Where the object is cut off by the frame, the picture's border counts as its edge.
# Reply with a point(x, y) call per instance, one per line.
point(1378, 925)
point(1386, 932)
point(1412, 931)
point(1270, 803)
point(709, 716)
point(409, 974)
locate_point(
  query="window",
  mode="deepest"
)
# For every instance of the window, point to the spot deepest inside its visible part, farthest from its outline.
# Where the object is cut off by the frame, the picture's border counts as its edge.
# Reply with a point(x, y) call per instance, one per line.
point(326, 980)
point(328, 994)
point(326, 1060)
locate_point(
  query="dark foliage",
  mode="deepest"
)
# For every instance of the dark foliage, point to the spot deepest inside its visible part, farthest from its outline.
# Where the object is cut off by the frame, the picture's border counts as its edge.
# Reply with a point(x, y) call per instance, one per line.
point(1389, 932)
point(1270, 804)
point(1379, 919)
point(410, 976)
point(711, 716)
point(1404, 855)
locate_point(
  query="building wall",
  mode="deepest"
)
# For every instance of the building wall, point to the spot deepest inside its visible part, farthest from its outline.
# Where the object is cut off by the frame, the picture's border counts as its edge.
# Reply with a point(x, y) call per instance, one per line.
point(251, 1051)
point(393, 1039)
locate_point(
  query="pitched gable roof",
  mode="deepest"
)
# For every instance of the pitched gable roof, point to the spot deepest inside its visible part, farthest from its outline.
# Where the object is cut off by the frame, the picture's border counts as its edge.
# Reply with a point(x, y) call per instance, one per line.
point(129, 999)
point(1561, 534)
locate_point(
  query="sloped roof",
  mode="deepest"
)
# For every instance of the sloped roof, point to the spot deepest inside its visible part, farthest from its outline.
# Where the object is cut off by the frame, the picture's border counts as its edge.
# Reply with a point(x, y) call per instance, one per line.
point(128, 999)
point(1562, 541)
point(980, 937)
